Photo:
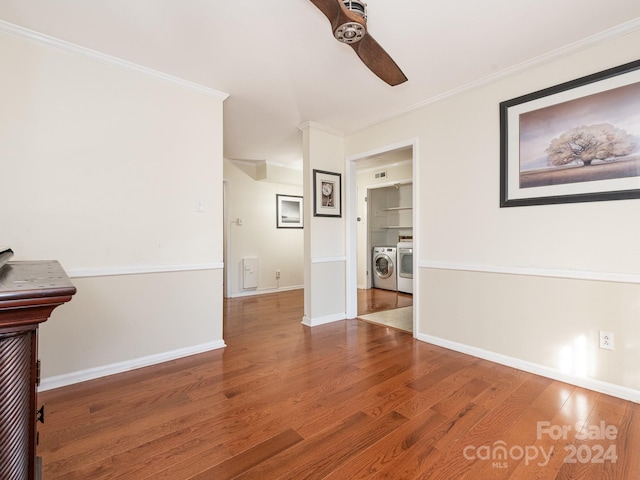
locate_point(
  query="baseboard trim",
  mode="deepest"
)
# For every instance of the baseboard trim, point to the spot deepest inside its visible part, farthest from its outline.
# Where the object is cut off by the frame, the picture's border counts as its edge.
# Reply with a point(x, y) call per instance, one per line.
point(314, 322)
point(250, 293)
point(542, 370)
point(58, 381)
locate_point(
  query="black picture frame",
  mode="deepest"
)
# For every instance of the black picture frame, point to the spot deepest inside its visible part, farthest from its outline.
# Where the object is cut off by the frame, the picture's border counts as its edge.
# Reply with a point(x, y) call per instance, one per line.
point(583, 111)
point(327, 194)
point(289, 211)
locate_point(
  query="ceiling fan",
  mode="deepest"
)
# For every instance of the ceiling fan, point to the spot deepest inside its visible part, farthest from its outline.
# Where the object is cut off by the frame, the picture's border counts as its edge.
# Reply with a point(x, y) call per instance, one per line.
point(349, 23)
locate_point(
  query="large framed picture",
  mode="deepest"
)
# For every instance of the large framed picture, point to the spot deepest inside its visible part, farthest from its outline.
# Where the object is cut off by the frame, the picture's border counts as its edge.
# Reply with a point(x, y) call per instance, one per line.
point(575, 142)
point(327, 198)
point(289, 211)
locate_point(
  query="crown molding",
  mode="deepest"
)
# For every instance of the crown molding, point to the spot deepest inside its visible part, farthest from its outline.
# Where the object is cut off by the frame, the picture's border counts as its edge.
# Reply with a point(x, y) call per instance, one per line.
point(72, 48)
point(268, 163)
point(245, 161)
point(318, 126)
point(611, 33)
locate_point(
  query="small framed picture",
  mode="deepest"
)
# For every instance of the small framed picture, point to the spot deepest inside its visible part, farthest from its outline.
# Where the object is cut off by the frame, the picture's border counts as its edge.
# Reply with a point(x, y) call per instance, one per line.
point(289, 212)
point(327, 194)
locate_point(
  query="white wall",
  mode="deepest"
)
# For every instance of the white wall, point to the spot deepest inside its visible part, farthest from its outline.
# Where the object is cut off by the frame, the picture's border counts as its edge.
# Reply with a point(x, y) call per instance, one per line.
point(325, 245)
point(524, 285)
point(102, 169)
point(254, 201)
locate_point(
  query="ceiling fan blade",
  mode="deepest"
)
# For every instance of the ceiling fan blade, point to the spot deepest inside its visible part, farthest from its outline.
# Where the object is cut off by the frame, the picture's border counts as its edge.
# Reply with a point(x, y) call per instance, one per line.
point(369, 51)
point(330, 8)
point(378, 61)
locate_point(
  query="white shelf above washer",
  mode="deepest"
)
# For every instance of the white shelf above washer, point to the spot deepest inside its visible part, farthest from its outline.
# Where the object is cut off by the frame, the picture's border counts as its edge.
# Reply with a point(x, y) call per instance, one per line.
point(391, 209)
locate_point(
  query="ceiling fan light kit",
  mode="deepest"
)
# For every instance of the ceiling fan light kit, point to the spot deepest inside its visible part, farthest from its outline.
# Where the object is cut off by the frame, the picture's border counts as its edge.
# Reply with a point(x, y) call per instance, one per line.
point(349, 24)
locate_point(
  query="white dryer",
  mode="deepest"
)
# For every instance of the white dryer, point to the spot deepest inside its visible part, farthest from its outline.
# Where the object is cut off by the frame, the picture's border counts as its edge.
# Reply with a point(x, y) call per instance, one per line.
point(383, 264)
point(405, 267)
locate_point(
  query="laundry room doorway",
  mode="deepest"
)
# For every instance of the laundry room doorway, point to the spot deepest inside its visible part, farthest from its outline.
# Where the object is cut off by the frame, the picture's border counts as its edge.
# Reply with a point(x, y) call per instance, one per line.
point(383, 211)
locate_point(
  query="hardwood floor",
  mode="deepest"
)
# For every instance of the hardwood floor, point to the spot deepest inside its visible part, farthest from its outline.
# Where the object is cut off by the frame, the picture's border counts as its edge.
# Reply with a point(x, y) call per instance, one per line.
point(374, 300)
point(347, 400)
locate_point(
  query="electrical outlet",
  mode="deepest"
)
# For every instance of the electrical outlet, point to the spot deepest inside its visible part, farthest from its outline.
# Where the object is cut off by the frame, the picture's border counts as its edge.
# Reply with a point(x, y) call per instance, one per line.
point(277, 273)
point(606, 340)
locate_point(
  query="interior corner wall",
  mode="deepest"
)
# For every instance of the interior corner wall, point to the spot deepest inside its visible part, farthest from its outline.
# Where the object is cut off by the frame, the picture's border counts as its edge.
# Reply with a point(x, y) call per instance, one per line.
point(256, 235)
point(325, 243)
point(103, 169)
point(529, 286)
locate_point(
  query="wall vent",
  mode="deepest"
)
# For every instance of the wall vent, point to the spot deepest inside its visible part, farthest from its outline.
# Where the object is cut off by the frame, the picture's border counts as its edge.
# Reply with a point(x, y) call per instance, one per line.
point(382, 174)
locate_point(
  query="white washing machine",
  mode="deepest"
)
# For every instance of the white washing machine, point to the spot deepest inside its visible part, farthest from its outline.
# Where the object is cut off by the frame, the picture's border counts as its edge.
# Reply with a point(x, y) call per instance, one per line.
point(405, 267)
point(383, 264)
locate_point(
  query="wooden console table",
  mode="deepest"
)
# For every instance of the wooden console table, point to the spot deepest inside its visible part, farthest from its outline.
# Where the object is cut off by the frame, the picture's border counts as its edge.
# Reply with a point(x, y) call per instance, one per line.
point(29, 291)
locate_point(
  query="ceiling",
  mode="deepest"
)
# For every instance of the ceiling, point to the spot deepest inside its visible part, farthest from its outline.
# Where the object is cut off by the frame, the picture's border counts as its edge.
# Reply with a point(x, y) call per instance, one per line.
point(282, 67)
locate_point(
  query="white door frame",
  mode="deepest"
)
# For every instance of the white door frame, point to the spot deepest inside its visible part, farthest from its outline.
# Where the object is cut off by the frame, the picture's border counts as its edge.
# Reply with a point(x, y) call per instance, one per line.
point(352, 225)
point(226, 238)
point(369, 282)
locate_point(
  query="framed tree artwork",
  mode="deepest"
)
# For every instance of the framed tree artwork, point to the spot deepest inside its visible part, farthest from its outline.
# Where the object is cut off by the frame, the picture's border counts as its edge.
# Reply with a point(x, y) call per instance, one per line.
point(576, 142)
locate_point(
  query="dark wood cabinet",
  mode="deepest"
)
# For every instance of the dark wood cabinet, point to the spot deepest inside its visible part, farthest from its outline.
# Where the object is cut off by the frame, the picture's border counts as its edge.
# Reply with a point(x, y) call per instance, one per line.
point(29, 292)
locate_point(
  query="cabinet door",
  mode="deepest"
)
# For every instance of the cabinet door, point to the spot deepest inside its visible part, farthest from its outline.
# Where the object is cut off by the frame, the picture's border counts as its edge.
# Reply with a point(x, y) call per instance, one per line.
point(17, 397)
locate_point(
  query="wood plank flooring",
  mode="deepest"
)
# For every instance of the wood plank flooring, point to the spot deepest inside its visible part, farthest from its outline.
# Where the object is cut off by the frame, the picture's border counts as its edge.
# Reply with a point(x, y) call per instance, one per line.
point(374, 300)
point(347, 400)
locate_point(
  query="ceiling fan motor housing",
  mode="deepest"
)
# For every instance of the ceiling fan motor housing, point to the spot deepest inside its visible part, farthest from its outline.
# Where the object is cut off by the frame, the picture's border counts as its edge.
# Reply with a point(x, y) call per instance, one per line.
point(356, 6)
point(352, 32)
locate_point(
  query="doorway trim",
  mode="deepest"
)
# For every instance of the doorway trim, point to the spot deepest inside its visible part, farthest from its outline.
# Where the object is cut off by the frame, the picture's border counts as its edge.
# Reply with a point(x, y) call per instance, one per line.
point(351, 225)
point(226, 239)
point(369, 282)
